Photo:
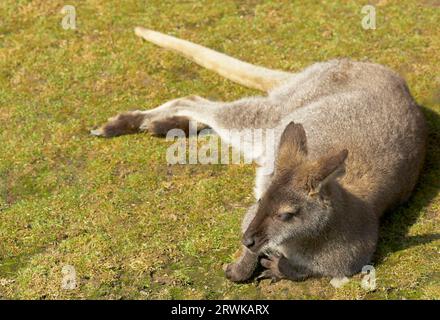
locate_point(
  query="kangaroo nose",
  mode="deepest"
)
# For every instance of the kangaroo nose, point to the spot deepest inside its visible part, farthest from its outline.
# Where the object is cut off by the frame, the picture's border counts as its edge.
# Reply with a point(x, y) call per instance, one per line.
point(248, 241)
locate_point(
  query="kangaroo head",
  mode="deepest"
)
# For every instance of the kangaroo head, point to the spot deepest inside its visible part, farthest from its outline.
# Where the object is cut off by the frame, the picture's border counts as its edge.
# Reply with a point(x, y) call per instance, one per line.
point(298, 201)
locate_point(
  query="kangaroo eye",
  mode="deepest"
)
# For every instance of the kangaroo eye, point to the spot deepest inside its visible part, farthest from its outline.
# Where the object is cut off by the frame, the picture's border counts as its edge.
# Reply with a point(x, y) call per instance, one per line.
point(286, 216)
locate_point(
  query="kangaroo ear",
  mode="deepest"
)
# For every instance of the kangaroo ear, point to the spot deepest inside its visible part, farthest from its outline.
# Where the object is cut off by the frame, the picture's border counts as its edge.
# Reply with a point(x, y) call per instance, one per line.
point(328, 168)
point(293, 145)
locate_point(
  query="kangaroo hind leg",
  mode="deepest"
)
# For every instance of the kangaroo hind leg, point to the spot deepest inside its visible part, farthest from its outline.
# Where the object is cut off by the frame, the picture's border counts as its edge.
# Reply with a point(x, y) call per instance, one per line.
point(157, 121)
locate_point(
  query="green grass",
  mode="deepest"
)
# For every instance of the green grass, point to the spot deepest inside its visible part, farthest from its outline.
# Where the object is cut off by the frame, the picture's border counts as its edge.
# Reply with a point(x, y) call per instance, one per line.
point(133, 227)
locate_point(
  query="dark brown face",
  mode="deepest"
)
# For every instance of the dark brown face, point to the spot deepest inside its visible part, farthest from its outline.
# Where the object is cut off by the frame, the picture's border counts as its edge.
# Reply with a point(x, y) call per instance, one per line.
point(281, 210)
point(297, 201)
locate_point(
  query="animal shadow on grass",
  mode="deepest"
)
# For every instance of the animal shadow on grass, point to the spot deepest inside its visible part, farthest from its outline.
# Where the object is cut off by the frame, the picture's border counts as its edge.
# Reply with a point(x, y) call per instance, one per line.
point(395, 224)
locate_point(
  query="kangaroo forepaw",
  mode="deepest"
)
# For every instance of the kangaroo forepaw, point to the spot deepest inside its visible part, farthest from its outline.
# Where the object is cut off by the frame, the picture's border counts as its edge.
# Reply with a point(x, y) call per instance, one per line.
point(236, 273)
point(278, 267)
point(272, 271)
point(243, 268)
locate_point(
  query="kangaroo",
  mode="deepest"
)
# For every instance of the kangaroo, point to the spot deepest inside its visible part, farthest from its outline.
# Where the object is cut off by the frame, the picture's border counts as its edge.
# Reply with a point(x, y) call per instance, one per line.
point(350, 144)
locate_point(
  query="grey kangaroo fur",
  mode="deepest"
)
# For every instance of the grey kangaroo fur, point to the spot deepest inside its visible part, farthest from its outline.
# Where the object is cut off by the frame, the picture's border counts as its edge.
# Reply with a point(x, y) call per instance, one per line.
point(350, 145)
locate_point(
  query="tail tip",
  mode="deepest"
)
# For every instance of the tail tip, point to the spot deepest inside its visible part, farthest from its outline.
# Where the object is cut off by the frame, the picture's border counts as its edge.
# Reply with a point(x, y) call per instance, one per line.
point(139, 31)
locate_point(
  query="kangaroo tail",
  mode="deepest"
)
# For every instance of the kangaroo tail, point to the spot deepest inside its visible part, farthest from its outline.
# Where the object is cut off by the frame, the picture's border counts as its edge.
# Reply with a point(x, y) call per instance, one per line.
point(233, 69)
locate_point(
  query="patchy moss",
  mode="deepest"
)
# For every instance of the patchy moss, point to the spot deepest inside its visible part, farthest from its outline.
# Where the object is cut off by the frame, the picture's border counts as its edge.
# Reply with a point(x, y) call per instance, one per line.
point(133, 227)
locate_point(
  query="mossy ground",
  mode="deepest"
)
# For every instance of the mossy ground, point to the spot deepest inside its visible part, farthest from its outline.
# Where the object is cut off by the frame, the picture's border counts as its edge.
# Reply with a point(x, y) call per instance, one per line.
point(132, 226)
